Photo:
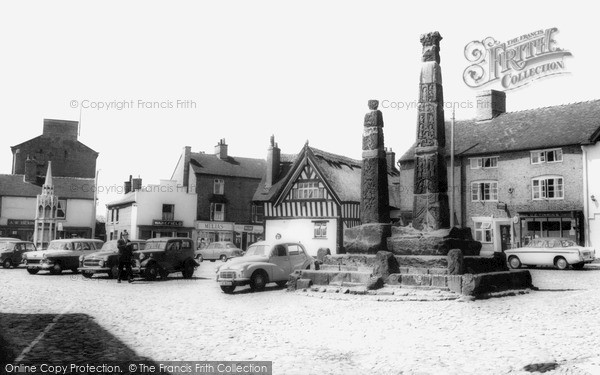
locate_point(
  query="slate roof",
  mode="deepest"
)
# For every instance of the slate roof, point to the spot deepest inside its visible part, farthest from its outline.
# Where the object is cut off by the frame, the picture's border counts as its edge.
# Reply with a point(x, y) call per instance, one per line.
point(65, 143)
point(64, 187)
point(343, 175)
point(125, 199)
point(540, 128)
point(233, 166)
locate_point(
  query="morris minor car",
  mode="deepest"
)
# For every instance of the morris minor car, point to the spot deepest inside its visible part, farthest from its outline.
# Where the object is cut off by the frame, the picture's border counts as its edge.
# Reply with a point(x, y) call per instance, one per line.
point(264, 262)
point(222, 250)
point(60, 255)
point(165, 255)
point(106, 260)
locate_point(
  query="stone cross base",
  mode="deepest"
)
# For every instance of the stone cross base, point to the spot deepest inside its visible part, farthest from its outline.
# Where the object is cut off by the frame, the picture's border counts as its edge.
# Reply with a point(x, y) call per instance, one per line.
point(367, 238)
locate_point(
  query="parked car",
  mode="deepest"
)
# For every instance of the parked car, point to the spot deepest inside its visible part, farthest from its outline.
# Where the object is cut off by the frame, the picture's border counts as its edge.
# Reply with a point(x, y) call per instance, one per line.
point(12, 250)
point(264, 262)
point(165, 255)
point(223, 250)
point(106, 260)
point(60, 255)
point(551, 251)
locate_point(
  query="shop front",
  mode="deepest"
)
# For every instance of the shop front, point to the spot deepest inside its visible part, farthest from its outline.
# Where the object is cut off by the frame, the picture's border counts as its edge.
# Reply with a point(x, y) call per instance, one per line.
point(245, 235)
point(566, 224)
point(164, 228)
point(18, 228)
point(212, 231)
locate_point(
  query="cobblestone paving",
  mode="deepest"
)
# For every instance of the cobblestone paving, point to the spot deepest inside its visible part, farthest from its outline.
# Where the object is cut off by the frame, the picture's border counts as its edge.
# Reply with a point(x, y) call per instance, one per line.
point(193, 320)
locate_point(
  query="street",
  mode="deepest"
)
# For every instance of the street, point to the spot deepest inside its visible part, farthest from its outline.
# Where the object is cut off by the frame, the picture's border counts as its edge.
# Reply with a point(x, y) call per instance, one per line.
point(67, 317)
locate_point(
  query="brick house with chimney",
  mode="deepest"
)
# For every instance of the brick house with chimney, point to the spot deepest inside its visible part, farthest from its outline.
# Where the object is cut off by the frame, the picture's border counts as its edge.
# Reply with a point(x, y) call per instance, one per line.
point(311, 197)
point(224, 186)
point(517, 175)
point(73, 171)
point(151, 211)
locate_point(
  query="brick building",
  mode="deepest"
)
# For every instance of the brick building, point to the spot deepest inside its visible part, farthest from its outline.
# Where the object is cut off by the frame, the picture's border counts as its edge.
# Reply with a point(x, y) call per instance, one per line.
point(311, 197)
point(224, 186)
point(58, 143)
point(517, 175)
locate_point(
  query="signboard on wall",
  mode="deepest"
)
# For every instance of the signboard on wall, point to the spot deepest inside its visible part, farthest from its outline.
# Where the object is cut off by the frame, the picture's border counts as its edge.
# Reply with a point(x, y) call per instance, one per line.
point(214, 225)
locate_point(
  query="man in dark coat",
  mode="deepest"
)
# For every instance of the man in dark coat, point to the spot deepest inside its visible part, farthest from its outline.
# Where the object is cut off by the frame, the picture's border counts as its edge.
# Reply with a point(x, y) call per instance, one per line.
point(125, 256)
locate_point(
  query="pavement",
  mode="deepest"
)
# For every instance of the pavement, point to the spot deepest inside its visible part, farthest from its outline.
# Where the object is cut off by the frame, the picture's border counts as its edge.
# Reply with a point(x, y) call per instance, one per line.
point(553, 330)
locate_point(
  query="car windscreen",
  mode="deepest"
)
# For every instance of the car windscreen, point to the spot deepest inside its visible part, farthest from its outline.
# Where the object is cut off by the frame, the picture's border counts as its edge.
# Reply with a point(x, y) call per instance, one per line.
point(155, 245)
point(258, 250)
point(5, 245)
point(60, 246)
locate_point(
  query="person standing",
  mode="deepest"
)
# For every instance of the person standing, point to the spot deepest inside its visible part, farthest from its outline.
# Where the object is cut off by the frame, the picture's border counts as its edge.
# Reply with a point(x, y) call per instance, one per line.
point(125, 257)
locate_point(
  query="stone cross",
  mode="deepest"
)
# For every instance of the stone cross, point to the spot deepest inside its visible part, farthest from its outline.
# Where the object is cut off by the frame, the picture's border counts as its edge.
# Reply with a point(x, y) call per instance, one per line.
point(374, 204)
point(430, 210)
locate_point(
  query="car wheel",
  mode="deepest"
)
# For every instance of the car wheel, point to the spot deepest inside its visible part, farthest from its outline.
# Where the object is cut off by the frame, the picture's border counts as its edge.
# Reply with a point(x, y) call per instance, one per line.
point(227, 289)
point(199, 258)
point(578, 266)
point(33, 271)
point(87, 275)
point(223, 258)
point(151, 272)
point(163, 273)
point(282, 283)
point(188, 269)
point(7, 263)
point(113, 273)
point(258, 280)
point(514, 262)
point(561, 263)
point(56, 269)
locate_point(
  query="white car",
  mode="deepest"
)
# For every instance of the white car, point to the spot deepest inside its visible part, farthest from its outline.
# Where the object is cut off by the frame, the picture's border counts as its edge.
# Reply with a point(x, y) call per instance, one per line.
point(264, 262)
point(551, 251)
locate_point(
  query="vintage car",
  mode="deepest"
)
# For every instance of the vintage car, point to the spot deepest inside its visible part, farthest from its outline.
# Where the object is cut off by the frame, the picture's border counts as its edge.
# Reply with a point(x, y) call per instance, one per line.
point(165, 255)
point(12, 250)
point(551, 251)
point(106, 260)
point(60, 255)
point(264, 262)
point(222, 250)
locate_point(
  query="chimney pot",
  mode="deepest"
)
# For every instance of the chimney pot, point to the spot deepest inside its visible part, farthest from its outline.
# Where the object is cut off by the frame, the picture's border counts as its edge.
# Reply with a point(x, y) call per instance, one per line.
point(490, 104)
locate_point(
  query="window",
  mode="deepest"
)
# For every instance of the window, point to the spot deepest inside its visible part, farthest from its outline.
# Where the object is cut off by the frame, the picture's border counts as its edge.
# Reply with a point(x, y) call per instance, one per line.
point(168, 212)
point(546, 156)
point(484, 191)
point(293, 249)
point(61, 213)
point(483, 231)
point(486, 162)
point(258, 213)
point(320, 229)
point(219, 187)
point(308, 190)
point(117, 216)
point(547, 188)
point(112, 215)
point(217, 212)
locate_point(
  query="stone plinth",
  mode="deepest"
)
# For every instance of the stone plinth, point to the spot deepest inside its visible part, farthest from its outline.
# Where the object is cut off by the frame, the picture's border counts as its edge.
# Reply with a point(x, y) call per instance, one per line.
point(367, 238)
point(410, 241)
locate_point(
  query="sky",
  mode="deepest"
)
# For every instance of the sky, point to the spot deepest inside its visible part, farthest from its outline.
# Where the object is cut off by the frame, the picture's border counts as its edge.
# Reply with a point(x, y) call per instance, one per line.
point(188, 73)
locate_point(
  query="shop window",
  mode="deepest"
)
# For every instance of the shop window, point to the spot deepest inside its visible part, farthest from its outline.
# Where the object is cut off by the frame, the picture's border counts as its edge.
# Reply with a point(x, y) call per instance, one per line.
point(484, 191)
point(546, 156)
point(217, 212)
point(547, 188)
point(483, 231)
point(168, 212)
point(320, 229)
point(219, 187)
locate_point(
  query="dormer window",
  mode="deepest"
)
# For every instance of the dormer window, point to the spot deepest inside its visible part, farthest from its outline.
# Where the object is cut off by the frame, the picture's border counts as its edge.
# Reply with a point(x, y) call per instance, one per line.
point(547, 156)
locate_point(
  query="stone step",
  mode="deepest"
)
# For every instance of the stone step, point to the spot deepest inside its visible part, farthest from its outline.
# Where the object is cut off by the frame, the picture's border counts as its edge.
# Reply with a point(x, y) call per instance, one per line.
point(337, 267)
point(326, 277)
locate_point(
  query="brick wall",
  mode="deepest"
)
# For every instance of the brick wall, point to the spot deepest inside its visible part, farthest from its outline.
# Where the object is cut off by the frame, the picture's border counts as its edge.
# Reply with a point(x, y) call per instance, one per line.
point(237, 197)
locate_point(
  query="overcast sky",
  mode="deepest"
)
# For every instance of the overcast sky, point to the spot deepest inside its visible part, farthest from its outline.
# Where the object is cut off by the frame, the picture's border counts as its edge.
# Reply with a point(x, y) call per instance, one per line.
point(301, 71)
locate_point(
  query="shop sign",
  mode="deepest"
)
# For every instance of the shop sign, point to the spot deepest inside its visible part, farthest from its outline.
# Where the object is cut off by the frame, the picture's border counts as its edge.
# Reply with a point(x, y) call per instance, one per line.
point(20, 222)
point(168, 223)
point(214, 225)
point(258, 229)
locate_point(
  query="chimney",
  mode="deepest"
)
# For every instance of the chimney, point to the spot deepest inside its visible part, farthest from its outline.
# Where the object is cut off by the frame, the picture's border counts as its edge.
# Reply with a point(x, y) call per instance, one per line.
point(221, 149)
point(136, 184)
point(128, 185)
point(63, 129)
point(273, 159)
point(30, 170)
point(187, 157)
point(391, 158)
point(490, 104)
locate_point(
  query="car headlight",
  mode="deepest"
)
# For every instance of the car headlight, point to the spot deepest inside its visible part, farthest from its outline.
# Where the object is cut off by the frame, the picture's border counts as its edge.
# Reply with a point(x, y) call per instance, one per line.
point(80, 258)
point(142, 256)
point(101, 263)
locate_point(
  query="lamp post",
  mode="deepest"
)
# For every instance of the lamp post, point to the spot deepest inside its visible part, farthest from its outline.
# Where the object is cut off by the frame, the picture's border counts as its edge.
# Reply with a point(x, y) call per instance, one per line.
point(94, 205)
point(452, 171)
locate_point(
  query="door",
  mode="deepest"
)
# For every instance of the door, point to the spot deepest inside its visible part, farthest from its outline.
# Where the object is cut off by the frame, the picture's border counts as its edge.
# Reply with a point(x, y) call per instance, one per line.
point(505, 237)
point(297, 257)
point(281, 263)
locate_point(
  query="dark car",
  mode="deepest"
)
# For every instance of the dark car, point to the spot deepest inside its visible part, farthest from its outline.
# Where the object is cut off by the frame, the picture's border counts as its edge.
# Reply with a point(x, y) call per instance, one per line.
point(165, 255)
point(12, 250)
point(106, 260)
point(222, 250)
point(60, 255)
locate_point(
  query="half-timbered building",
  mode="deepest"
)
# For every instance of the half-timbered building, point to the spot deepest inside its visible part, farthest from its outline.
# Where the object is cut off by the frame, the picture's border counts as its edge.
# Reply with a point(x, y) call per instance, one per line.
point(312, 196)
